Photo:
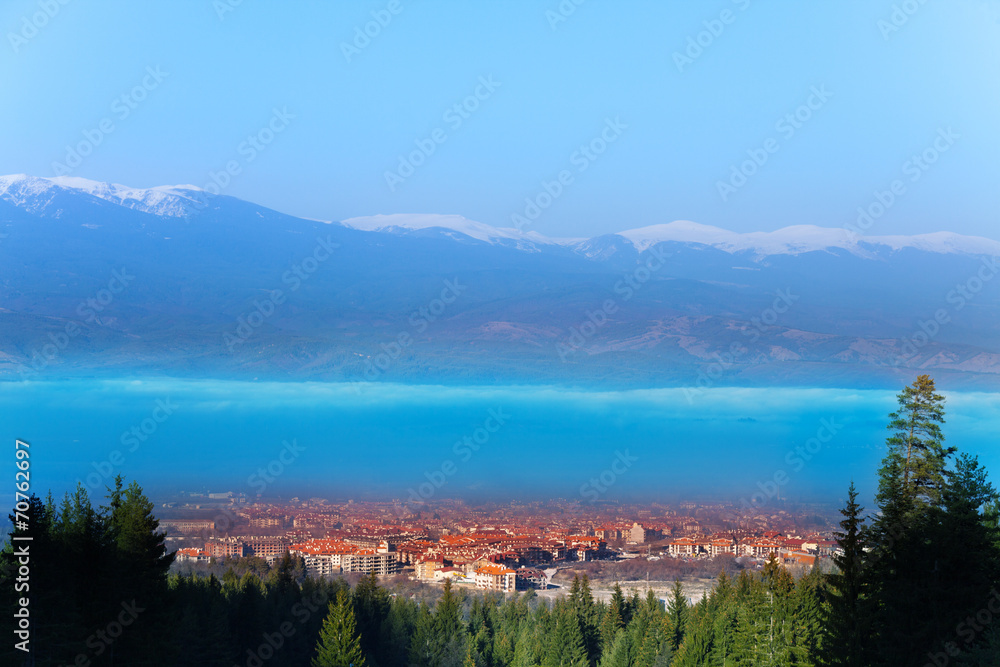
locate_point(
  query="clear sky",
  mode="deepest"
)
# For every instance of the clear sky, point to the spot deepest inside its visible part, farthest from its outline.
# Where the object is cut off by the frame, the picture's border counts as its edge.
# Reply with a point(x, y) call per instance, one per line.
point(889, 91)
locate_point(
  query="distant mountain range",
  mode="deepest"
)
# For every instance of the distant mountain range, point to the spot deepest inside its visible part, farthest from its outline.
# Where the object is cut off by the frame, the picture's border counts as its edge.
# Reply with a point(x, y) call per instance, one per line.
point(104, 279)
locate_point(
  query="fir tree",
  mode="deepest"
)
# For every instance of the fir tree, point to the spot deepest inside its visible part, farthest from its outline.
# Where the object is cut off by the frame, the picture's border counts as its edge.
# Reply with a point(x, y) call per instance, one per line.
point(339, 643)
point(611, 622)
point(371, 607)
point(620, 653)
point(902, 563)
point(677, 612)
point(846, 623)
point(916, 449)
point(566, 646)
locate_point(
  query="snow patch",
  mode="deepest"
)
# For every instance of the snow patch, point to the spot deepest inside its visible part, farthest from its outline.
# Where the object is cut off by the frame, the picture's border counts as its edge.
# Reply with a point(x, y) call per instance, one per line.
point(405, 222)
point(798, 239)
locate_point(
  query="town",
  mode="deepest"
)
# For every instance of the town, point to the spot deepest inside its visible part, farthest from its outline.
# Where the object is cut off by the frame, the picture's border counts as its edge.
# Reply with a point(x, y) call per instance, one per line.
point(515, 546)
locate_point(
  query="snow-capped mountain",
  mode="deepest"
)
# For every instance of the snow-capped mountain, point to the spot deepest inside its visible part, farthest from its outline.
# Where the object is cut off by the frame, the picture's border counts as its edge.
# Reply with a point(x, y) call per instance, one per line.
point(798, 239)
point(100, 276)
point(37, 195)
point(792, 240)
point(456, 227)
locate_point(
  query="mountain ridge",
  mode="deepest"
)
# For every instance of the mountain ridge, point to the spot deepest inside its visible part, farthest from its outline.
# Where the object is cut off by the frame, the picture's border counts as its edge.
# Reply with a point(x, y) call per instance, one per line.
point(228, 288)
point(179, 200)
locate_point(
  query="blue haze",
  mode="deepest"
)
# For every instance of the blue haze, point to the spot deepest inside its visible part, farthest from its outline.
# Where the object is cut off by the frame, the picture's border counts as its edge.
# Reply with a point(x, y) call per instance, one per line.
point(369, 441)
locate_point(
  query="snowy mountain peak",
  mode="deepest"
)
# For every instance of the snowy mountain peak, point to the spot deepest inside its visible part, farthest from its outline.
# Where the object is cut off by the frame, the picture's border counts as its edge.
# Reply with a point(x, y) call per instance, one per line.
point(798, 239)
point(35, 193)
point(47, 196)
point(451, 224)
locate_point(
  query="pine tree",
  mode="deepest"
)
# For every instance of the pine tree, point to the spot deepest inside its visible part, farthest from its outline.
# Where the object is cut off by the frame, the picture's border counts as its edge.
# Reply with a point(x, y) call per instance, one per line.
point(470, 659)
point(724, 624)
point(423, 644)
point(397, 631)
point(528, 648)
point(904, 560)
point(969, 564)
point(447, 616)
point(503, 647)
point(677, 612)
point(916, 450)
point(697, 648)
point(846, 621)
point(136, 531)
point(654, 645)
point(339, 643)
point(620, 653)
point(566, 647)
point(582, 602)
point(618, 599)
point(282, 577)
point(611, 622)
point(371, 607)
point(809, 617)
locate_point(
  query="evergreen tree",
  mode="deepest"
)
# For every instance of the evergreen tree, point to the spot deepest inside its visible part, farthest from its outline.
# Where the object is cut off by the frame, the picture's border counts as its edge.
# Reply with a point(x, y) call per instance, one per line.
point(339, 643)
point(582, 602)
point(905, 546)
point(448, 618)
point(846, 621)
point(968, 564)
point(677, 612)
point(528, 648)
point(697, 648)
point(620, 653)
point(809, 617)
point(916, 449)
point(371, 608)
point(611, 621)
point(470, 660)
point(565, 646)
point(136, 532)
point(423, 644)
point(396, 632)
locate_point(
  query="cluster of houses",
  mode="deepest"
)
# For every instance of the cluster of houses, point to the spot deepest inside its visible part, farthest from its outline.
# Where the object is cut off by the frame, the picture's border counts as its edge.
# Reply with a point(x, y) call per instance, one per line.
point(495, 560)
point(501, 552)
point(789, 549)
point(492, 560)
point(269, 548)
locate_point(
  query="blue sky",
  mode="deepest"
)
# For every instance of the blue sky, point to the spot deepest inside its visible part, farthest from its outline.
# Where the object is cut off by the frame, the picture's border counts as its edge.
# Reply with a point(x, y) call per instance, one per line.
point(893, 88)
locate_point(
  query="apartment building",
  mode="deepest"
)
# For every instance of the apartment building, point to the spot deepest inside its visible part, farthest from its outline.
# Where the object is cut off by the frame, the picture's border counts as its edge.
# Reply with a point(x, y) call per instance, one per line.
point(424, 569)
point(268, 548)
point(225, 547)
point(640, 534)
point(492, 577)
point(328, 557)
point(367, 560)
